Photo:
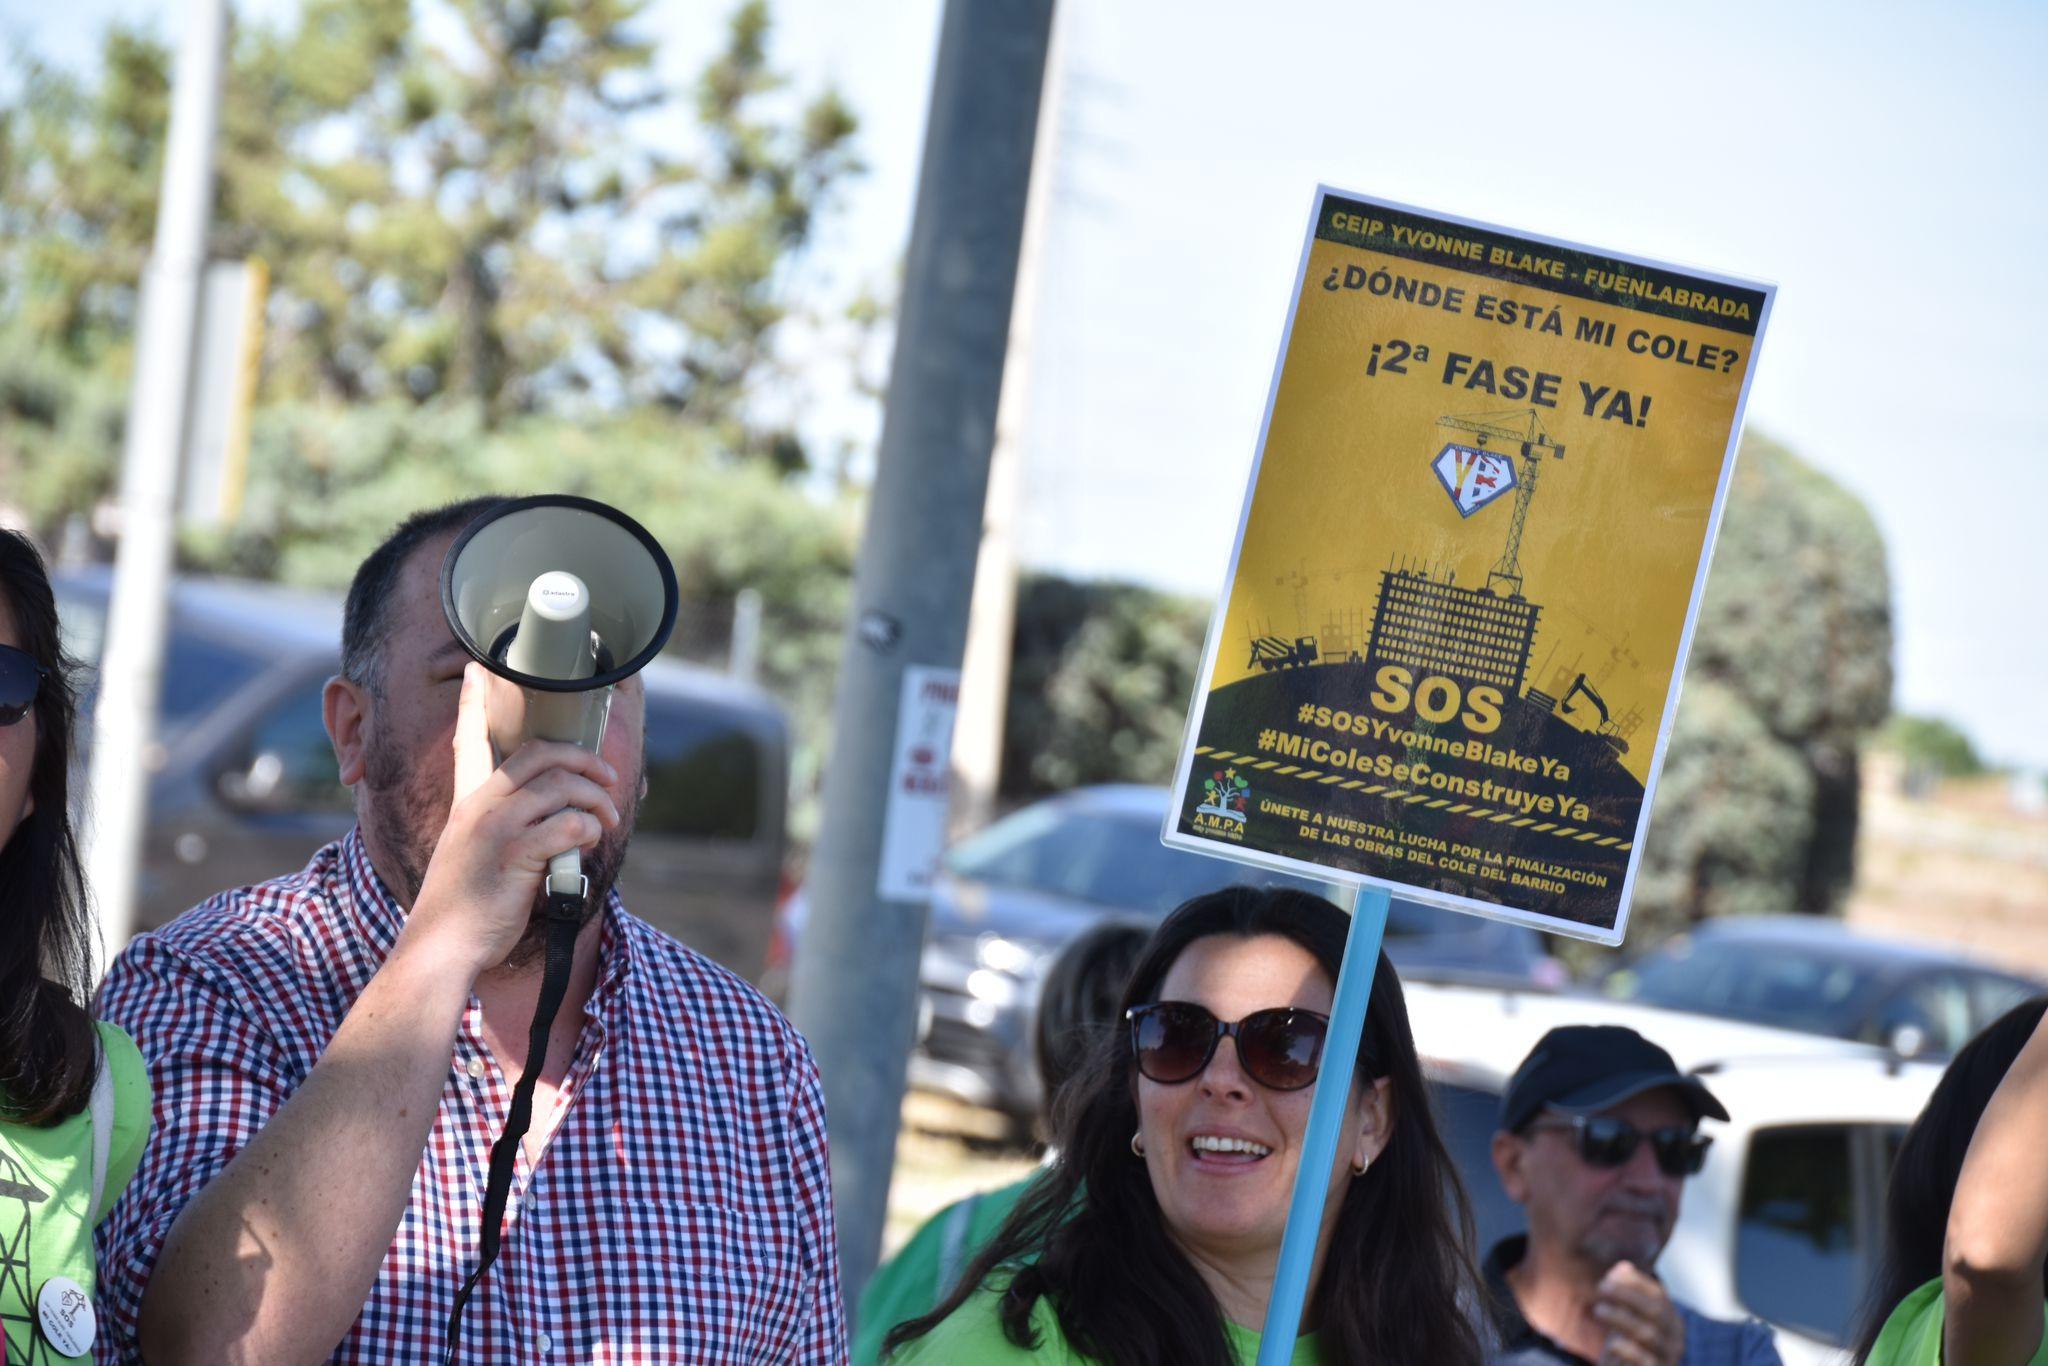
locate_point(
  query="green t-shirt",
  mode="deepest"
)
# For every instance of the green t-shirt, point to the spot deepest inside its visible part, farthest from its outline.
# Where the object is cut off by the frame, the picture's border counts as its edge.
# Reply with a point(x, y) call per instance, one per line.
point(973, 1334)
point(1912, 1335)
point(924, 1270)
point(45, 1187)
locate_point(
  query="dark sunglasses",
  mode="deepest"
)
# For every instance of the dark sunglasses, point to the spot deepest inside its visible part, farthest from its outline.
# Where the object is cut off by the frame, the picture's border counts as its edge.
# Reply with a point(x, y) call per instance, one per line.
point(21, 678)
point(1278, 1048)
point(1605, 1141)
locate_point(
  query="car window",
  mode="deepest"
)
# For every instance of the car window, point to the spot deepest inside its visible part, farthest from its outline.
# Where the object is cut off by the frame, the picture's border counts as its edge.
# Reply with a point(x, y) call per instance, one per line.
point(1807, 1236)
point(1108, 860)
point(1936, 1006)
point(290, 759)
point(1467, 1116)
point(198, 669)
point(705, 772)
point(1991, 996)
point(1780, 986)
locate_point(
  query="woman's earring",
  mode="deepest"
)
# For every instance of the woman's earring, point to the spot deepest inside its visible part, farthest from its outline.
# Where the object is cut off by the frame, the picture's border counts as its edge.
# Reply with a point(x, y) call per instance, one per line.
point(1358, 1167)
point(1137, 1145)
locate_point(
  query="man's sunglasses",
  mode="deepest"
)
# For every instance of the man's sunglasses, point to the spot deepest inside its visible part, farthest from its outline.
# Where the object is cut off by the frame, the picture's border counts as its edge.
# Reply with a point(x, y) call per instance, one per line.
point(21, 678)
point(1278, 1048)
point(1605, 1141)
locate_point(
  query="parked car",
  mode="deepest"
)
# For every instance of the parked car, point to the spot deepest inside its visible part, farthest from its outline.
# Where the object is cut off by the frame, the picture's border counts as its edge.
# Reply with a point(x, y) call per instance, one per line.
point(1007, 899)
point(1783, 1220)
point(1820, 976)
point(244, 784)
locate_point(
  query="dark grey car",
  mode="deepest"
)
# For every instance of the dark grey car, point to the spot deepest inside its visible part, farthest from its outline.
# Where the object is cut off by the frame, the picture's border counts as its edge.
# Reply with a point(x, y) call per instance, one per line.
point(1008, 899)
point(1819, 976)
point(244, 785)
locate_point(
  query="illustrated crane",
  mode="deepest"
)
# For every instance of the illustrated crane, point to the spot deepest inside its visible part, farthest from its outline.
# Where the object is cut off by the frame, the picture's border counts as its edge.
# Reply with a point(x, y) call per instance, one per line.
point(1521, 429)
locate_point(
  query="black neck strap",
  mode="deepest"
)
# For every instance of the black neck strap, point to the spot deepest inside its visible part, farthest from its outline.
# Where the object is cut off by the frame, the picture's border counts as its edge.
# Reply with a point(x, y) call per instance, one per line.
point(564, 919)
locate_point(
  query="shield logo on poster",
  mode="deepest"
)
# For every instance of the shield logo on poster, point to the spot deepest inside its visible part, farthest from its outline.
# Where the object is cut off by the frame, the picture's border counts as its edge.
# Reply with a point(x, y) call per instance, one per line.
point(1472, 477)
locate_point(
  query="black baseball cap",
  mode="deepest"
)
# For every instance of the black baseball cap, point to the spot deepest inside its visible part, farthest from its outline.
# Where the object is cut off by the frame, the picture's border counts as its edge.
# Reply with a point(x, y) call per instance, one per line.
point(1583, 1068)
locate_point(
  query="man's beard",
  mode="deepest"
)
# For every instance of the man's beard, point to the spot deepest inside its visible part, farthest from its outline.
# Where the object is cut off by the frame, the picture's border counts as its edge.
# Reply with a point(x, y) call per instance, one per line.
point(411, 818)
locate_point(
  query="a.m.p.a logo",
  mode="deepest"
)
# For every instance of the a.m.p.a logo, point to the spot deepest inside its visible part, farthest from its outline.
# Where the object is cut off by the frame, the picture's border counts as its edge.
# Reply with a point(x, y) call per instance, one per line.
point(1224, 798)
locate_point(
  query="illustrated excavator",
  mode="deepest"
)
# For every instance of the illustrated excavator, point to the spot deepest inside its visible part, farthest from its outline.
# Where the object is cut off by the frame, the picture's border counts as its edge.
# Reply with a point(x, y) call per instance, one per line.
point(1610, 731)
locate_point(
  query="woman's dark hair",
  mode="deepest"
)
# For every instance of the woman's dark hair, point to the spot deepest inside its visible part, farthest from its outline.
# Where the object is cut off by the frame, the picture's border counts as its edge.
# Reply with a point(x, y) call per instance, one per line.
point(48, 1050)
point(1930, 1161)
point(1080, 1002)
point(1397, 1284)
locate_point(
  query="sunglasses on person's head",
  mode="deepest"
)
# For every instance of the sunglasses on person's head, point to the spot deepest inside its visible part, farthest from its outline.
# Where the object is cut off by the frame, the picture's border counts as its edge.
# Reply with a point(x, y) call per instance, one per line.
point(1278, 1048)
point(1605, 1141)
point(21, 678)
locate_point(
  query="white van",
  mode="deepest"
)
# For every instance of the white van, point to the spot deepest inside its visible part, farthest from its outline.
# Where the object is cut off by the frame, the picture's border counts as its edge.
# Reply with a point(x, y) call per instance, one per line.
point(1784, 1223)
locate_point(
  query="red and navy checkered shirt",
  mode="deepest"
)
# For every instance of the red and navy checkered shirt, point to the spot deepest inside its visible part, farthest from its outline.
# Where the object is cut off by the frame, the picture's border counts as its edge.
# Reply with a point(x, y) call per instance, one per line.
point(681, 1211)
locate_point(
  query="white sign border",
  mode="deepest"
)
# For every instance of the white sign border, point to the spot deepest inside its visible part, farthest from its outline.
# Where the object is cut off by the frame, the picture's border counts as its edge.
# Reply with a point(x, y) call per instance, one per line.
point(1169, 832)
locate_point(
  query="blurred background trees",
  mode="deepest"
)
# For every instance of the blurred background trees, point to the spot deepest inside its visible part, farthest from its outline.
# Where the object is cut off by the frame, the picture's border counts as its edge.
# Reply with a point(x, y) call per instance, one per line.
point(505, 252)
point(1791, 670)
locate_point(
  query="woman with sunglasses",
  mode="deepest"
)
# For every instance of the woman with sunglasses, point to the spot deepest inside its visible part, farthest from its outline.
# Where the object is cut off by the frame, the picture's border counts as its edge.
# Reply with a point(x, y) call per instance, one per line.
point(1154, 1237)
point(1964, 1280)
point(74, 1099)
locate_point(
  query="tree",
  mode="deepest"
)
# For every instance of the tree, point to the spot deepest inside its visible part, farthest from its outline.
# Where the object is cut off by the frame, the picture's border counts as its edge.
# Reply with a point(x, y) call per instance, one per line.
point(1790, 671)
point(476, 211)
point(1932, 746)
point(1100, 679)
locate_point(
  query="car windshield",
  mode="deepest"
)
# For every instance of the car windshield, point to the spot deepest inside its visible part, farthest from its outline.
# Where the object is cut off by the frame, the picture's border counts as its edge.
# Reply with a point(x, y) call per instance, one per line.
point(1776, 985)
point(1108, 860)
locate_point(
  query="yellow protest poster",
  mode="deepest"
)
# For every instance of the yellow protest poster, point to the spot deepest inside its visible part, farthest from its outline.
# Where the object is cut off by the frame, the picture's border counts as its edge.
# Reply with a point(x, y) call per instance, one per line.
point(1466, 573)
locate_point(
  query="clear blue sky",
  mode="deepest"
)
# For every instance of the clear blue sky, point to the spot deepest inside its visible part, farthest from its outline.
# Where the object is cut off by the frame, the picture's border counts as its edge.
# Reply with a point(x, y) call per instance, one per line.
point(1880, 162)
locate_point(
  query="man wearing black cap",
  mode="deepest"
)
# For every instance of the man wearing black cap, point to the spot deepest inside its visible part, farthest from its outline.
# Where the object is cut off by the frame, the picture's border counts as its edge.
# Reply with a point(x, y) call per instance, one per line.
point(1598, 1131)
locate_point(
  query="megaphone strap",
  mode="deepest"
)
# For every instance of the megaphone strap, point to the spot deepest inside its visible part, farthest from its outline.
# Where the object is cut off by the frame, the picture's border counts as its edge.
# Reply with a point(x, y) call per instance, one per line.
point(564, 919)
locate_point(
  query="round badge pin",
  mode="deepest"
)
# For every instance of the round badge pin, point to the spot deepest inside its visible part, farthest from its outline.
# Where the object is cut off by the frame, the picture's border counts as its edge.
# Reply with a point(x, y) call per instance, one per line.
point(64, 1312)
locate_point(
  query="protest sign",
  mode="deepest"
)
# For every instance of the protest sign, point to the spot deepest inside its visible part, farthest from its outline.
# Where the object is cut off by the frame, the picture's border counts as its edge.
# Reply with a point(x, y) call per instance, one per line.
point(1468, 565)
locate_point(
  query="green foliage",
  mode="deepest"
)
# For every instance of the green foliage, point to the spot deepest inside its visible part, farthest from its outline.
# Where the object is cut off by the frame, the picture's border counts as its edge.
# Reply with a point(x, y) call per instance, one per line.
point(1791, 668)
point(1929, 744)
point(492, 209)
point(1099, 684)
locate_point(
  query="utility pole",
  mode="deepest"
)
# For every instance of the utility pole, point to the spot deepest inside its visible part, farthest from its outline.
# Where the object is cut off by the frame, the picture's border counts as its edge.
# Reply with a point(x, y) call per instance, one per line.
point(855, 987)
point(124, 719)
point(992, 622)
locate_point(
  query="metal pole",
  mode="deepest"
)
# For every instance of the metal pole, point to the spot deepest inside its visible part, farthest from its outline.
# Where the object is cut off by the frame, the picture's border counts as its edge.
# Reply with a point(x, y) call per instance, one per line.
point(1325, 1119)
point(124, 719)
point(992, 620)
point(855, 986)
point(745, 662)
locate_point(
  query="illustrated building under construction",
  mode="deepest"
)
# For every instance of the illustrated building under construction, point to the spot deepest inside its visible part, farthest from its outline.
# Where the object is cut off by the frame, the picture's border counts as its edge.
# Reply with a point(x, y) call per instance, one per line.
point(1432, 626)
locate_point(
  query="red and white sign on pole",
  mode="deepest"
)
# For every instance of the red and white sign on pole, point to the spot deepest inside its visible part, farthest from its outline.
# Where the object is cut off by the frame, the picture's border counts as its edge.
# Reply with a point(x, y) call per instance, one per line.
point(914, 828)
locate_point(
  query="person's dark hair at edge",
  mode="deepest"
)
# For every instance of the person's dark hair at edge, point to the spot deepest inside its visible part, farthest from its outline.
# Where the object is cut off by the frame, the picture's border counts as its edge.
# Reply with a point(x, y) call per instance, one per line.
point(1930, 1162)
point(1397, 1284)
point(365, 616)
point(1078, 1005)
point(48, 1050)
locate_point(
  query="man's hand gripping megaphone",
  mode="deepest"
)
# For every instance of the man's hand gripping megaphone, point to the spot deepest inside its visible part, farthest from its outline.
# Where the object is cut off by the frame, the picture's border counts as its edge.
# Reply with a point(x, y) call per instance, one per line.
point(504, 824)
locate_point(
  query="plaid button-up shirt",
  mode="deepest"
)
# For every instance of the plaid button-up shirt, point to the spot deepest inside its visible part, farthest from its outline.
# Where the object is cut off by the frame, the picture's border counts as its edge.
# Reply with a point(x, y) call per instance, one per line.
point(681, 1211)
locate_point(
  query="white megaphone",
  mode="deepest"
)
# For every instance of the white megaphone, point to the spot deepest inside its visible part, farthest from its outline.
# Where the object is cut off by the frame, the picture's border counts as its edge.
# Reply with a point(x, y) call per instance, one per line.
point(563, 598)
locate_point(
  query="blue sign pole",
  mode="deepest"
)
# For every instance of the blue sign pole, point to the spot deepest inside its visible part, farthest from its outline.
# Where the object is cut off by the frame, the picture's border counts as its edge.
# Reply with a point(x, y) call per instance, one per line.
point(1325, 1116)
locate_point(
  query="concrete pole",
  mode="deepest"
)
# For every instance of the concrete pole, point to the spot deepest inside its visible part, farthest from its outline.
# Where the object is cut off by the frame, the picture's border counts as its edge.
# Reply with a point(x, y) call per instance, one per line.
point(124, 752)
point(855, 987)
point(992, 621)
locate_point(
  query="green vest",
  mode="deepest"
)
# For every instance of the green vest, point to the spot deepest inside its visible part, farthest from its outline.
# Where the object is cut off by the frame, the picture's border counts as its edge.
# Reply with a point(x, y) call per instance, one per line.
point(45, 1193)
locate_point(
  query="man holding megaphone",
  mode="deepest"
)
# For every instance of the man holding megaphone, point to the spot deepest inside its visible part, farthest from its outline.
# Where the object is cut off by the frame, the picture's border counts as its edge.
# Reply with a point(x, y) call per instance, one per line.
point(440, 1096)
